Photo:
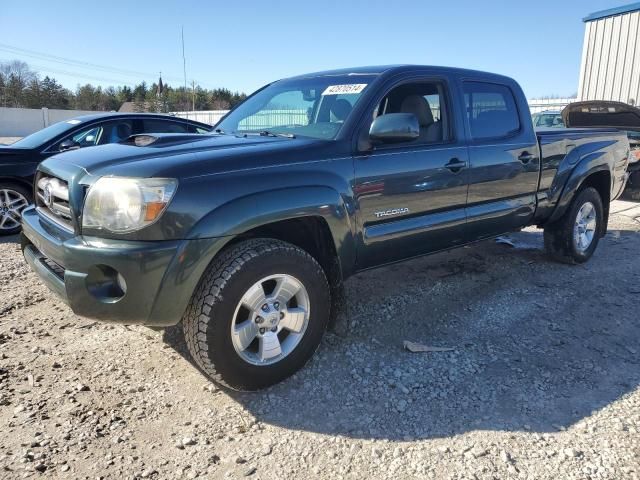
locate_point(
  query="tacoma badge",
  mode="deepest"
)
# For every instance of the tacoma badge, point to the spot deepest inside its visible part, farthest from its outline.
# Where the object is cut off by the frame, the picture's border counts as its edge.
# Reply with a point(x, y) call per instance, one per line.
point(393, 211)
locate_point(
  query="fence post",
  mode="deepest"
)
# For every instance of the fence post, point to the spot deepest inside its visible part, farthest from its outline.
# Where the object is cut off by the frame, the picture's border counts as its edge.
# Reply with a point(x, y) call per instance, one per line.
point(45, 117)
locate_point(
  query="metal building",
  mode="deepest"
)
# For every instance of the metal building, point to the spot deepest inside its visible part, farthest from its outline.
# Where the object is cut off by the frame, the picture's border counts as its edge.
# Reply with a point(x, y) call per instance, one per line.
point(610, 68)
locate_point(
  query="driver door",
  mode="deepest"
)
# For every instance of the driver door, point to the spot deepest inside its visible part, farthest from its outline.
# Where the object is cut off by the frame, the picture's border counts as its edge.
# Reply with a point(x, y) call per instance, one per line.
point(412, 196)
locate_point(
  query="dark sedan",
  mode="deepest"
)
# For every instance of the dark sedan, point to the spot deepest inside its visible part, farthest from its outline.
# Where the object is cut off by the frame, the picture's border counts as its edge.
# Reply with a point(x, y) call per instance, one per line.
point(18, 161)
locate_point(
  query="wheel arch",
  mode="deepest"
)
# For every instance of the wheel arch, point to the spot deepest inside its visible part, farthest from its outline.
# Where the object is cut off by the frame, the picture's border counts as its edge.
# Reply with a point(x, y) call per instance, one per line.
point(18, 181)
point(587, 173)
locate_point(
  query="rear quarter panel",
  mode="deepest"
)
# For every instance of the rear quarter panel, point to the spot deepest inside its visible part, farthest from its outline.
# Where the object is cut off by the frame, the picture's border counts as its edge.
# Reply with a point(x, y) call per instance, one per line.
point(569, 156)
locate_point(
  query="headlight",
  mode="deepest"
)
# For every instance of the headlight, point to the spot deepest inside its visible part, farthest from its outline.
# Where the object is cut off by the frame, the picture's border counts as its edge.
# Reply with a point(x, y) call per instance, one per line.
point(123, 205)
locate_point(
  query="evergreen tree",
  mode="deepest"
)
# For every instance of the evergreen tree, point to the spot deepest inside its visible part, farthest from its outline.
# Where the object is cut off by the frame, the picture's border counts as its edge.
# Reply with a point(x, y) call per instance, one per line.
point(21, 87)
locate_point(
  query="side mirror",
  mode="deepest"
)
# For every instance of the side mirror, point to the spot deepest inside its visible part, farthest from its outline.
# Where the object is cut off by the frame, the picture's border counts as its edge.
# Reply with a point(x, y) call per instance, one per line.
point(68, 144)
point(394, 128)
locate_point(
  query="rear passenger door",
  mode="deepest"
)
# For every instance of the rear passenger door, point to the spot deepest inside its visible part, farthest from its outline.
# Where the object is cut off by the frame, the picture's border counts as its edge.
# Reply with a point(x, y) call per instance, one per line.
point(503, 151)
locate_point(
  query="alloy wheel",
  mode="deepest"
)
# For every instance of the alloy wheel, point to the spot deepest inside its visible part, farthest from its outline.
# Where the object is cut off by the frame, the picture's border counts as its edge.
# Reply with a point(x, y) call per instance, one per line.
point(585, 226)
point(12, 203)
point(270, 319)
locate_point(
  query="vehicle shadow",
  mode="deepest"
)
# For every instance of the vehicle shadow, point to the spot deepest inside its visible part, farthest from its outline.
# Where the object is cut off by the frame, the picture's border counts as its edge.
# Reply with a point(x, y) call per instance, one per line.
point(10, 239)
point(537, 345)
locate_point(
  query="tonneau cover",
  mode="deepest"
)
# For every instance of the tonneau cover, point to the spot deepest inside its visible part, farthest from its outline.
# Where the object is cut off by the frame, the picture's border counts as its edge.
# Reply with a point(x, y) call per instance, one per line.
point(600, 113)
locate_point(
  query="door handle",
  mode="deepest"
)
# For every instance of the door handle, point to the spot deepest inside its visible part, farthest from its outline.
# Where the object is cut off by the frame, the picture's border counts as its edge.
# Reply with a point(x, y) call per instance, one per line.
point(455, 165)
point(526, 157)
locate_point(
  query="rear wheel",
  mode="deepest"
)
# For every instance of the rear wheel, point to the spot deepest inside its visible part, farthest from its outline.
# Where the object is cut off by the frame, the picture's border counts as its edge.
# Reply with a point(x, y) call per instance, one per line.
point(258, 314)
point(14, 199)
point(574, 237)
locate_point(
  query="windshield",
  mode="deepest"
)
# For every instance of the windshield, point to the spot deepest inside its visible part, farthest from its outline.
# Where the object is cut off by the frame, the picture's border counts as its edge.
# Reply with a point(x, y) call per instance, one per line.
point(553, 120)
point(41, 136)
point(315, 107)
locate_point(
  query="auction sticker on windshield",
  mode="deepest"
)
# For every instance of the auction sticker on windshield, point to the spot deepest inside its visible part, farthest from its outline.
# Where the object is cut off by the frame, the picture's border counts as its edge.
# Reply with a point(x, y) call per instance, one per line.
point(344, 89)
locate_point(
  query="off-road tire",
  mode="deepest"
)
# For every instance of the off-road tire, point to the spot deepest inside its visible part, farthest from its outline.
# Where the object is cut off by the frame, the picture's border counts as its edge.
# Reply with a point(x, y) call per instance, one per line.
point(208, 318)
point(558, 236)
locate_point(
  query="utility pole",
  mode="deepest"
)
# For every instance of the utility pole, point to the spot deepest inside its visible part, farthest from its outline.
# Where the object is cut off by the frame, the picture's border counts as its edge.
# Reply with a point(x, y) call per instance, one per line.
point(184, 68)
point(193, 89)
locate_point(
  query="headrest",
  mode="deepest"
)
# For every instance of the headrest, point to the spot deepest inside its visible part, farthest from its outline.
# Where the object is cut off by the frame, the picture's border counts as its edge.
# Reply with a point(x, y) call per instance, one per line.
point(419, 106)
point(341, 109)
point(123, 130)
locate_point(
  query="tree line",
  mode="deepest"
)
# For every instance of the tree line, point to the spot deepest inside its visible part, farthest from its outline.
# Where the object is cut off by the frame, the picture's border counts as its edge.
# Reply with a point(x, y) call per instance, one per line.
point(22, 87)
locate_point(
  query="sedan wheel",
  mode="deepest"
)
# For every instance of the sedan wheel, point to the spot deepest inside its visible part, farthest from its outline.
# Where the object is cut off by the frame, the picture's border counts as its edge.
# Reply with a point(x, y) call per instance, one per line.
point(12, 203)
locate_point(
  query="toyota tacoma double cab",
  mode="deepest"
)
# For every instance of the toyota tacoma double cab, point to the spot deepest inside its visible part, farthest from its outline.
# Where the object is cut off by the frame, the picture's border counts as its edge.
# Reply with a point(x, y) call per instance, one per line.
point(245, 235)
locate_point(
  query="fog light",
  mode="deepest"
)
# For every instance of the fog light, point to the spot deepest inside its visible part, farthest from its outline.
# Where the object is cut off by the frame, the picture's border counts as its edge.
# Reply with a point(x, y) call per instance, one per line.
point(106, 283)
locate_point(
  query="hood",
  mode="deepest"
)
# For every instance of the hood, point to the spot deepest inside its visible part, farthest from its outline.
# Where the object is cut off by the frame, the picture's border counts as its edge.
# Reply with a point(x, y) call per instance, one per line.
point(178, 155)
point(600, 113)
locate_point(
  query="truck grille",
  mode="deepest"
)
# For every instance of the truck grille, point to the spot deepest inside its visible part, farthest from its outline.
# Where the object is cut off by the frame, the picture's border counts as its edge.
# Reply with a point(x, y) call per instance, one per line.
point(53, 201)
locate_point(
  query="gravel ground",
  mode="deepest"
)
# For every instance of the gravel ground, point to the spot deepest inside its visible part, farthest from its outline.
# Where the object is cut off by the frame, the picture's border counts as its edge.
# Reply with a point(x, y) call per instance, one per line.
point(543, 381)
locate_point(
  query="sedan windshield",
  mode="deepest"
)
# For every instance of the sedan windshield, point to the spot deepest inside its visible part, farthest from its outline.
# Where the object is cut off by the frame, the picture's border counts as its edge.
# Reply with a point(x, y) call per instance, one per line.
point(41, 136)
point(553, 120)
point(315, 107)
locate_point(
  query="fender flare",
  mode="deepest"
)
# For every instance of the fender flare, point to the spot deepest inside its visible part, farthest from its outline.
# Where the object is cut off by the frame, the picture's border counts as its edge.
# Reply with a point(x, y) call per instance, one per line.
point(238, 216)
point(231, 219)
point(587, 166)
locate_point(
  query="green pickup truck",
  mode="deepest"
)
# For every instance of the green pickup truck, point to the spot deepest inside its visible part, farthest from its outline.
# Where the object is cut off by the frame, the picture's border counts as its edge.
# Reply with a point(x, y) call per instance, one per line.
point(245, 235)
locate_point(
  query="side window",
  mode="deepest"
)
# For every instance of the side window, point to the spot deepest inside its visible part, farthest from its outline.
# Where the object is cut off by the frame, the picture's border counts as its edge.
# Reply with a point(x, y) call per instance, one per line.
point(491, 110)
point(87, 138)
point(116, 131)
point(427, 101)
point(150, 125)
point(196, 129)
point(84, 138)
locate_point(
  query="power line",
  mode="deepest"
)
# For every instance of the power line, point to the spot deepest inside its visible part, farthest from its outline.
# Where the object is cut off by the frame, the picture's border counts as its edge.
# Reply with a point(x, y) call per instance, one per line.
point(77, 63)
point(44, 69)
point(88, 65)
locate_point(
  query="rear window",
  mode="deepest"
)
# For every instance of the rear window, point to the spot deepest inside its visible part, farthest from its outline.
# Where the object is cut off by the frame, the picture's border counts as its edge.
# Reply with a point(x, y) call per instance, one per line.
point(491, 110)
point(163, 126)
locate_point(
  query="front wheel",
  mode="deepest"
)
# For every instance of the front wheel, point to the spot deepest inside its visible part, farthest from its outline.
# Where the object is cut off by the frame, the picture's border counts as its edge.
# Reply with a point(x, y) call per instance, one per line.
point(574, 237)
point(13, 200)
point(258, 314)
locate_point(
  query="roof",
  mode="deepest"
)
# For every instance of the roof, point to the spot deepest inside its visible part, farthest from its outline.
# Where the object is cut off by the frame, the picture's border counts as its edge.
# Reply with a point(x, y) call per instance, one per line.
point(120, 115)
point(632, 7)
point(393, 69)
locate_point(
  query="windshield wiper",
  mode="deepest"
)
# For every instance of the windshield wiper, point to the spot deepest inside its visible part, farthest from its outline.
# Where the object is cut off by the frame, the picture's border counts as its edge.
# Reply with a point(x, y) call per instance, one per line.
point(268, 133)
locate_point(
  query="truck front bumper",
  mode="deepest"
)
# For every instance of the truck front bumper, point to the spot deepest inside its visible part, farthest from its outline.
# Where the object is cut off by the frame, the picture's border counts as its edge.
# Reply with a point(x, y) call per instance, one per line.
point(119, 281)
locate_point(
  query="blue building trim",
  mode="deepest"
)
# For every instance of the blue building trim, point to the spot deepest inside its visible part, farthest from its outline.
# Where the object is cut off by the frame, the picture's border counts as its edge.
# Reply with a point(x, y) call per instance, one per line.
point(632, 7)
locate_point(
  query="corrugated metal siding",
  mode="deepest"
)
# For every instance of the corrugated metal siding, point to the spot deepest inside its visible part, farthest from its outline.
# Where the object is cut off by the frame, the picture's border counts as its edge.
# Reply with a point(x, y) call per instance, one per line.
point(610, 68)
